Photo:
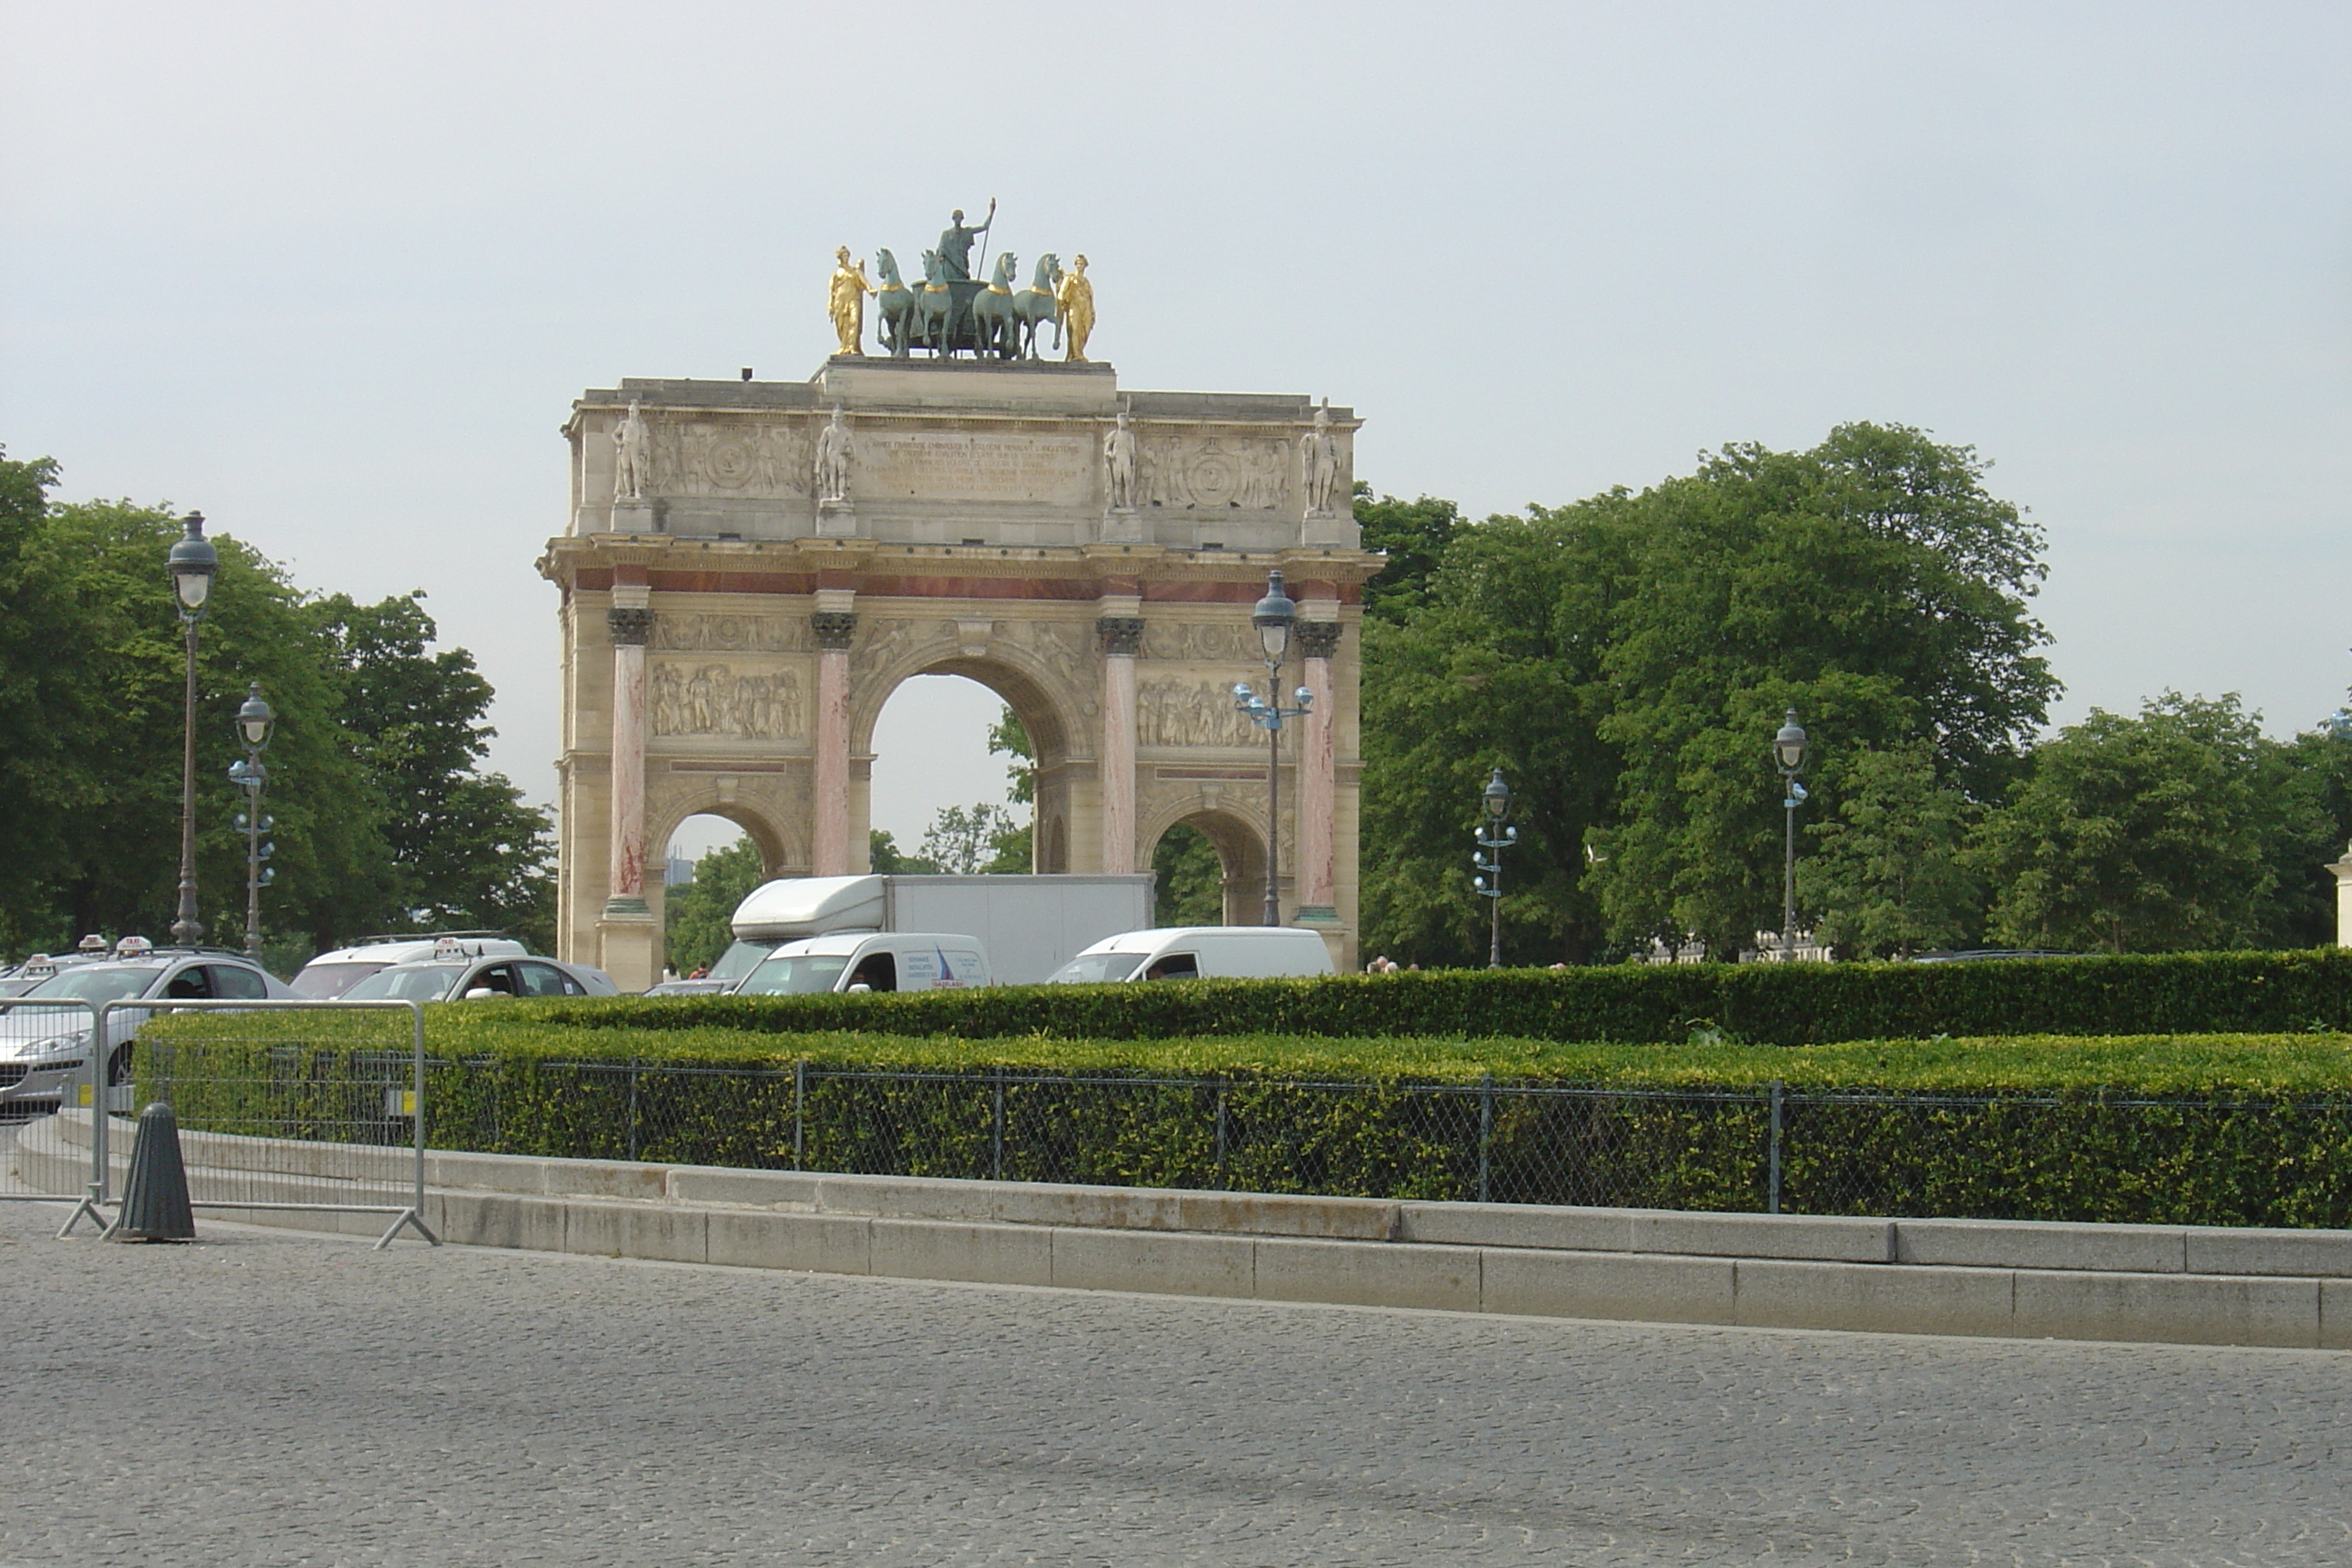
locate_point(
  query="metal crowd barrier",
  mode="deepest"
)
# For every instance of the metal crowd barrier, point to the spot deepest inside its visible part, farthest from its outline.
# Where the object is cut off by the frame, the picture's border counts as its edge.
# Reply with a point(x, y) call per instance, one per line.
point(332, 1125)
point(22, 1023)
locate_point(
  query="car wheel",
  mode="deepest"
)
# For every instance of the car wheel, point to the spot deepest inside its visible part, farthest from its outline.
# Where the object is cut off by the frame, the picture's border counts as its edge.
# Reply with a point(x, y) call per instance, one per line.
point(118, 1067)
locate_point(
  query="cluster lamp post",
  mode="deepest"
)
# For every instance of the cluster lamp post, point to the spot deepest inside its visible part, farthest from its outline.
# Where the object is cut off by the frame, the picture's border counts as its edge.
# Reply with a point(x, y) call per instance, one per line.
point(193, 561)
point(254, 723)
point(1493, 836)
point(1275, 618)
point(1788, 751)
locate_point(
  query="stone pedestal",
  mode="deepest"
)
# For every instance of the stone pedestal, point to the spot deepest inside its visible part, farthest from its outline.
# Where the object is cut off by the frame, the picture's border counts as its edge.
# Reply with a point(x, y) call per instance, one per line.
point(1329, 530)
point(836, 520)
point(1124, 525)
point(629, 943)
point(2343, 869)
point(634, 517)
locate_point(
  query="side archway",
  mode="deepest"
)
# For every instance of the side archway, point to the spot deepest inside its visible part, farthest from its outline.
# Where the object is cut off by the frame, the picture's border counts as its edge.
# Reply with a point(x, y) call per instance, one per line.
point(1240, 845)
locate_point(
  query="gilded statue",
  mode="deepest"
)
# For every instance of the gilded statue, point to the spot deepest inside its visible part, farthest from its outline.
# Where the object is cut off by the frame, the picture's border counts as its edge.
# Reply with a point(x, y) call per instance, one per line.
point(847, 303)
point(1076, 297)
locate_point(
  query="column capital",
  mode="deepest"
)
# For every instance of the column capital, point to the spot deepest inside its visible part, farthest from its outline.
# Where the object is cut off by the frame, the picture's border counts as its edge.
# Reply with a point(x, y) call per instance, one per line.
point(1318, 639)
point(1122, 635)
point(629, 627)
point(834, 629)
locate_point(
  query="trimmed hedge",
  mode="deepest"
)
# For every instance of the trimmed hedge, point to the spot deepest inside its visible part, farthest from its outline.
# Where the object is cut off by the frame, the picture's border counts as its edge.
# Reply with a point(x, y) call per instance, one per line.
point(2228, 1156)
point(1760, 1004)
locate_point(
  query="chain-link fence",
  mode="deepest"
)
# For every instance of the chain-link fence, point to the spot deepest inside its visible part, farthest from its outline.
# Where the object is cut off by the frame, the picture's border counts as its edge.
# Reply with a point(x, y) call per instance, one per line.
point(1771, 1149)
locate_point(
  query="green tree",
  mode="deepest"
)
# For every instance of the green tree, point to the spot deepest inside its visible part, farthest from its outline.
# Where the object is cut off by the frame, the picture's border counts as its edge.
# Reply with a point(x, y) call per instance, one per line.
point(700, 914)
point(1886, 877)
point(1015, 847)
point(2145, 834)
point(1191, 886)
point(1872, 583)
point(1414, 536)
point(1626, 659)
point(965, 840)
point(885, 858)
point(467, 851)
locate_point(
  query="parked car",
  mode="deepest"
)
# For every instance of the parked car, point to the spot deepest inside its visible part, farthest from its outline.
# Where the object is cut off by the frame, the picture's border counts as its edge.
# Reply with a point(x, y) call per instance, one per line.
point(41, 1048)
point(1190, 953)
point(330, 974)
point(40, 966)
point(474, 979)
point(706, 986)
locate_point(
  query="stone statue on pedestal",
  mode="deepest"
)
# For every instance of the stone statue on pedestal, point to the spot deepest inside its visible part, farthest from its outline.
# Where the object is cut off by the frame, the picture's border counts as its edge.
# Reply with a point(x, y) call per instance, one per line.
point(1119, 464)
point(833, 451)
point(1318, 461)
point(629, 449)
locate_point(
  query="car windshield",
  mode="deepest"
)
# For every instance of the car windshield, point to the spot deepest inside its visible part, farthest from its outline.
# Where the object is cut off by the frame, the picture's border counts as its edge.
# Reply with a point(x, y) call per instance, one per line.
point(1093, 967)
point(406, 982)
point(324, 982)
point(740, 959)
point(95, 983)
point(794, 974)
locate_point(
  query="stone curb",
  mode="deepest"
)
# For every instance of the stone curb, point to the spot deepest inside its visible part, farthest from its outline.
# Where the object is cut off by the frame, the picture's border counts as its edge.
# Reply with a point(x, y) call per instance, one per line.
point(2135, 1283)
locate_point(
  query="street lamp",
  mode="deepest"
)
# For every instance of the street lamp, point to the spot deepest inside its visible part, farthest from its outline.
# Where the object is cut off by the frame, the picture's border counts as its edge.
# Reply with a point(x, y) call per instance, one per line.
point(192, 562)
point(1789, 750)
point(254, 723)
point(1275, 618)
point(1493, 838)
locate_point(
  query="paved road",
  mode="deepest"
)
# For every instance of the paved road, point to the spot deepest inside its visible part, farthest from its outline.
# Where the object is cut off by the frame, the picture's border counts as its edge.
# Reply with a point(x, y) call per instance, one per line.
point(267, 1398)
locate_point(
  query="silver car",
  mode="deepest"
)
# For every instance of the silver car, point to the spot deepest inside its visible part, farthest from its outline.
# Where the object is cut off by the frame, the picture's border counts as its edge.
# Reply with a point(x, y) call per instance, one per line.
point(472, 979)
point(41, 1048)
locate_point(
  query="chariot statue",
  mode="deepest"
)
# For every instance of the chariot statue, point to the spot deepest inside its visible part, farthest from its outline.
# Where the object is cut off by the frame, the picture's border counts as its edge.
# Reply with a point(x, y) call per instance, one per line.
point(951, 312)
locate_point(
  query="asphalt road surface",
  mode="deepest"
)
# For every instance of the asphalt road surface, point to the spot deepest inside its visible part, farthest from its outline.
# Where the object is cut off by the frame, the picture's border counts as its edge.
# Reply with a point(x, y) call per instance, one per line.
point(268, 1398)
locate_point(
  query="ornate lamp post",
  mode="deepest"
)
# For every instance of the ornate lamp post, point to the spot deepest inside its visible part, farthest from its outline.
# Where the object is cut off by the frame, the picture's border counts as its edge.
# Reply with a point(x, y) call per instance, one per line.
point(192, 562)
point(1275, 618)
point(1788, 751)
point(1493, 838)
point(254, 723)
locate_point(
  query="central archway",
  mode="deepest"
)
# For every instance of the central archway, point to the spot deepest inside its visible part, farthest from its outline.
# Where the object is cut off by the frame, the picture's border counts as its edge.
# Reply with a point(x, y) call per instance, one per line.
point(1044, 676)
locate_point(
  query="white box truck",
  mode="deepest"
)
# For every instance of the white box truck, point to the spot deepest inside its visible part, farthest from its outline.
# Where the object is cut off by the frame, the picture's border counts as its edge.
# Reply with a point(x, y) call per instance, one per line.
point(1029, 926)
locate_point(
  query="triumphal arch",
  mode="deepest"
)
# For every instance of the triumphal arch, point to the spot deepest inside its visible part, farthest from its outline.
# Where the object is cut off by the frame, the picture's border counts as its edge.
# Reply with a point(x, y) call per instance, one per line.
point(752, 567)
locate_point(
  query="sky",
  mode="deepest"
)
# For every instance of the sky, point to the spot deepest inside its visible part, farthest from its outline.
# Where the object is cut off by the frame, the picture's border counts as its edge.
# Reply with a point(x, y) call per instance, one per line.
point(334, 274)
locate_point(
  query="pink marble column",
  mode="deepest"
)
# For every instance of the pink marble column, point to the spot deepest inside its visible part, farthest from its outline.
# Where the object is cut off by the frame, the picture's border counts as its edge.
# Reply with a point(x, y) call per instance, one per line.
point(626, 875)
point(1318, 776)
point(829, 854)
point(1122, 639)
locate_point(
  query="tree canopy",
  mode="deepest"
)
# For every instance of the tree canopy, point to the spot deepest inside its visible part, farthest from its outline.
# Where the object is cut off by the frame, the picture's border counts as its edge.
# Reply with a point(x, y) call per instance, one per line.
point(382, 818)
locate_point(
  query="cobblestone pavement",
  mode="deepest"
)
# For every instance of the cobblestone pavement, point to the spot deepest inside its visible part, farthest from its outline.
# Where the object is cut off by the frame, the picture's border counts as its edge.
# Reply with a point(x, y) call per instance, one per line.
point(267, 1398)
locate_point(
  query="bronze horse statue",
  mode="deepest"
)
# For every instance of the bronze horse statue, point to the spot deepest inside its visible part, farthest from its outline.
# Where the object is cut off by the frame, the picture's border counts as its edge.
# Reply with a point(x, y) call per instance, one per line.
point(995, 318)
point(1034, 306)
point(935, 305)
point(898, 304)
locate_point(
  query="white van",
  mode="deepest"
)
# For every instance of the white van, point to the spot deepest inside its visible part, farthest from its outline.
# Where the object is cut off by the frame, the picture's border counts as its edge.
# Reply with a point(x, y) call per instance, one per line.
point(1188, 953)
point(870, 960)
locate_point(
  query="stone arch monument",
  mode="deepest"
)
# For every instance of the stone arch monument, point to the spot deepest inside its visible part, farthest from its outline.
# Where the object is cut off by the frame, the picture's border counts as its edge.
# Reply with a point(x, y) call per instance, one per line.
point(752, 567)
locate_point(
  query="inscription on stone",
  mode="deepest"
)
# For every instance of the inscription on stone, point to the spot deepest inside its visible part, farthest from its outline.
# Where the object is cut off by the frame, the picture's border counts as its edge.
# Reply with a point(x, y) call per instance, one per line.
point(1053, 471)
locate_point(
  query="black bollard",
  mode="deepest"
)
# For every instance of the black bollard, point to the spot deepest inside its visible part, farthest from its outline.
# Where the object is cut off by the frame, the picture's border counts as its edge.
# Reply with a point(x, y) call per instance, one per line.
point(155, 1193)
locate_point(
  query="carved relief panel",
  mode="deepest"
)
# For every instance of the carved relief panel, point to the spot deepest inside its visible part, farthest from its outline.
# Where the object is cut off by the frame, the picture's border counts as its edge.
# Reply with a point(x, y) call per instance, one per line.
point(697, 632)
point(1177, 712)
point(1228, 641)
point(705, 457)
point(690, 697)
point(1224, 473)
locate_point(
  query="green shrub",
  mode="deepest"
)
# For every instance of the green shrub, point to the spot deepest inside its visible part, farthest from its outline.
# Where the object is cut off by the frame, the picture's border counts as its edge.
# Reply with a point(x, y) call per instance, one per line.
point(1762, 1003)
